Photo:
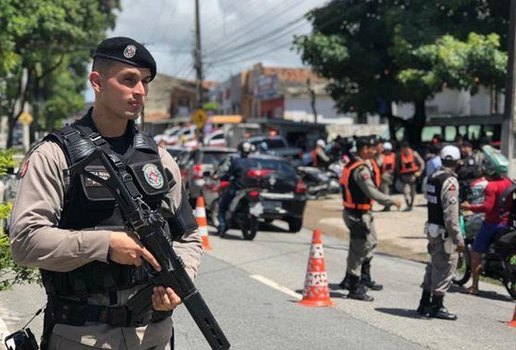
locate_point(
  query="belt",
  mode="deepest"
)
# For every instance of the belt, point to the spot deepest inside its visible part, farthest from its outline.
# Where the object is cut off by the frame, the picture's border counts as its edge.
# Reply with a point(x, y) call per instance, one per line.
point(77, 314)
point(356, 212)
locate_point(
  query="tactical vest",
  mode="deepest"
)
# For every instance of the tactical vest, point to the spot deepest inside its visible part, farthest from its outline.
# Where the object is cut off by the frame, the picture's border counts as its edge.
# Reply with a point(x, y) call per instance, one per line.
point(408, 162)
point(376, 172)
point(90, 206)
point(434, 188)
point(388, 162)
point(353, 196)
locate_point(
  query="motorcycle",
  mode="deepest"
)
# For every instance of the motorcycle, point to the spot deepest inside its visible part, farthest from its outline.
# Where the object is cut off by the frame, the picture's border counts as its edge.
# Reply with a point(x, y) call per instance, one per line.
point(319, 183)
point(500, 261)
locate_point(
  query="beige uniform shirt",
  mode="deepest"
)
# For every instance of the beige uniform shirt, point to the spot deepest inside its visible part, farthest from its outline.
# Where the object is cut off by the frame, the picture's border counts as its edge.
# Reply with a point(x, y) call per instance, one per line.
point(37, 241)
point(363, 177)
point(450, 202)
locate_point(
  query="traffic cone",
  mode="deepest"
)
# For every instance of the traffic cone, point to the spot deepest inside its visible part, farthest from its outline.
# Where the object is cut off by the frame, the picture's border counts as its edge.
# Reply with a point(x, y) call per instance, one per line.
point(200, 214)
point(316, 292)
point(513, 322)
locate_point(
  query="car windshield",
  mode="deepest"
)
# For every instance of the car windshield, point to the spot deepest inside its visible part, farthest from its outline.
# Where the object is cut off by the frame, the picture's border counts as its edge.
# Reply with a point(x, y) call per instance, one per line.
point(278, 166)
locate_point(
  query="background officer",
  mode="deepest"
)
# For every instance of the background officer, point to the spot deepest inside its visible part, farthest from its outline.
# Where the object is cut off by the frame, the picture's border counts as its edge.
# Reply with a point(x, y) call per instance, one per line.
point(444, 237)
point(358, 192)
point(388, 165)
point(409, 166)
point(71, 228)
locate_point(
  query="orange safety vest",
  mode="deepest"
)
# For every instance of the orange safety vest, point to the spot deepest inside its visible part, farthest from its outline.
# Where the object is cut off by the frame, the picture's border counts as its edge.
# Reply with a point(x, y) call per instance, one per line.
point(377, 174)
point(408, 162)
point(388, 162)
point(354, 198)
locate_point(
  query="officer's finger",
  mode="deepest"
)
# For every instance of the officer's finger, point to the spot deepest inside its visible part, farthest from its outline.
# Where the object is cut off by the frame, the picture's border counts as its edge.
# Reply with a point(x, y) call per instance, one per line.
point(174, 298)
point(150, 259)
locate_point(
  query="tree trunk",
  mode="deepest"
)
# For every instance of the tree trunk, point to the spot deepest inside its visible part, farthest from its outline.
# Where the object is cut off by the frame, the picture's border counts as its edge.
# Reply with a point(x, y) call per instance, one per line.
point(413, 132)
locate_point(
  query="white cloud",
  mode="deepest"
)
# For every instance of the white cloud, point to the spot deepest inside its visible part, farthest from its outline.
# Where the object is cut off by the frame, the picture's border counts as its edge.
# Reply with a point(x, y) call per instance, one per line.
point(167, 27)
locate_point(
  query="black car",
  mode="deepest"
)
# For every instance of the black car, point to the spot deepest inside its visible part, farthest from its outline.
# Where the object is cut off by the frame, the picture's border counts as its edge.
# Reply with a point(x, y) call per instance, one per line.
point(279, 191)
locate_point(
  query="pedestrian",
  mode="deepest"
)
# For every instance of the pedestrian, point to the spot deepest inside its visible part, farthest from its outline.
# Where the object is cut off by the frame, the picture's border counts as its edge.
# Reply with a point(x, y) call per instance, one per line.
point(319, 157)
point(71, 228)
point(444, 236)
point(359, 190)
point(409, 166)
point(470, 167)
point(388, 165)
point(495, 218)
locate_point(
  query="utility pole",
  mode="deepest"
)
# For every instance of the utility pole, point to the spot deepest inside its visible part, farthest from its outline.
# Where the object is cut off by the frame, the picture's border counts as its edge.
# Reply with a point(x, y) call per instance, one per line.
point(510, 96)
point(197, 55)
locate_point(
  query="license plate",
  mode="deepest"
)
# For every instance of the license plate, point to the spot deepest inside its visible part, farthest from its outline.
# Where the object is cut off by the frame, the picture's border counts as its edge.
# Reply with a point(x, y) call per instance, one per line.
point(272, 204)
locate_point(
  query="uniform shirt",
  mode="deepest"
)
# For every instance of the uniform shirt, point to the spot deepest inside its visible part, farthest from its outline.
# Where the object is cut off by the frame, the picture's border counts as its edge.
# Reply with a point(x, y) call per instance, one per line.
point(363, 177)
point(450, 203)
point(492, 192)
point(37, 241)
point(433, 164)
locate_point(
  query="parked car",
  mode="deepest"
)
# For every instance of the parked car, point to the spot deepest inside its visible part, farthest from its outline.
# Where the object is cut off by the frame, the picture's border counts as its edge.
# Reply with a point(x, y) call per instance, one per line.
point(277, 146)
point(200, 165)
point(169, 135)
point(277, 188)
point(216, 138)
point(181, 156)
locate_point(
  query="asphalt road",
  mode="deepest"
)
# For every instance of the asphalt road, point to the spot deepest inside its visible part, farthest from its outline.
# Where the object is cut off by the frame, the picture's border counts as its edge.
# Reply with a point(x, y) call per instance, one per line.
point(252, 288)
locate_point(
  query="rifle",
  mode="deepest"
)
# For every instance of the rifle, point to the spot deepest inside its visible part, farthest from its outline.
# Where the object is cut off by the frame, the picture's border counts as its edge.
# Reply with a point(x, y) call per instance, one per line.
point(150, 225)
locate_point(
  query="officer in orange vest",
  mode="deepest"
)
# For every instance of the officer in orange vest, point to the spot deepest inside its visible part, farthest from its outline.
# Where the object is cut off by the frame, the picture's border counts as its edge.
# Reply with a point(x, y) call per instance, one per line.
point(409, 166)
point(388, 165)
point(359, 191)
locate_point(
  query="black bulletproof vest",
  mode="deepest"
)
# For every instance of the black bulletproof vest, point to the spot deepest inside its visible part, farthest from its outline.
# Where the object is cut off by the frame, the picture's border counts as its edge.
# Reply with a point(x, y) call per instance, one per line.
point(90, 206)
point(434, 187)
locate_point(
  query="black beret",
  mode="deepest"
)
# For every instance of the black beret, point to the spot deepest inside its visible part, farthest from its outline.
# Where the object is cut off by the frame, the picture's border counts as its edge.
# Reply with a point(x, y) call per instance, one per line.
point(364, 141)
point(128, 51)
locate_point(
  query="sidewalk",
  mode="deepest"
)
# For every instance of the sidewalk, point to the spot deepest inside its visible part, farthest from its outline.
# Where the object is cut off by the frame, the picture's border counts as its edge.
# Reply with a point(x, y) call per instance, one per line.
point(399, 233)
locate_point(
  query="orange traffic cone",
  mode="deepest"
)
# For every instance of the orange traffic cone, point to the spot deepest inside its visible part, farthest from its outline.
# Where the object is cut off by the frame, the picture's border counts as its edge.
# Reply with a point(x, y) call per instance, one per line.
point(200, 214)
point(513, 322)
point(316, 292)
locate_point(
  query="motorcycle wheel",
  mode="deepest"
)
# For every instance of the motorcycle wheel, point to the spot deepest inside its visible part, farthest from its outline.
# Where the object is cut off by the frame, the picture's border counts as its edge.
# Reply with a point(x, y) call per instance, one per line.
point(509, 280)
point(463, 271)
point(250, 227)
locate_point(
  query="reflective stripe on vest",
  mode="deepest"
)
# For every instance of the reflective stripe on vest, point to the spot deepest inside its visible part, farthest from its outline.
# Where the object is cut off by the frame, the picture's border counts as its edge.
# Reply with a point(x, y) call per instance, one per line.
point(388, 162)
point(348, 201)
point(408, 162)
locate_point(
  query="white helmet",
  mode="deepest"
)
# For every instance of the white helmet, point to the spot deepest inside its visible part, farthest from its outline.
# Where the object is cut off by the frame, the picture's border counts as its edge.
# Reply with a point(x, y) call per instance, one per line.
point(321, 143)
point(450, 152)
point(387, 146)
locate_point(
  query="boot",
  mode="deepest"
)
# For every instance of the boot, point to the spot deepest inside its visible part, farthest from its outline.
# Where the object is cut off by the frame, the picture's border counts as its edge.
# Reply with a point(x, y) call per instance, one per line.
point(366, 279)
point(437, 309)
point(345, 282)
point(424, 304)
point(356, 290)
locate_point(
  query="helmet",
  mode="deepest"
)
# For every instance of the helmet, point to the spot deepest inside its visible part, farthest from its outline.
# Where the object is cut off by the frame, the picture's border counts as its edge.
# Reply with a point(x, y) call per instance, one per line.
point(495, 163)
point(450, 155)
point(387, 146)
point(245, 148)
point(321, 143)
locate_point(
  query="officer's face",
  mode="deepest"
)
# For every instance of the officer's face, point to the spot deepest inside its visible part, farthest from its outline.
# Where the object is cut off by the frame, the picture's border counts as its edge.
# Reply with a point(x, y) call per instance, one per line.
point(123, 90)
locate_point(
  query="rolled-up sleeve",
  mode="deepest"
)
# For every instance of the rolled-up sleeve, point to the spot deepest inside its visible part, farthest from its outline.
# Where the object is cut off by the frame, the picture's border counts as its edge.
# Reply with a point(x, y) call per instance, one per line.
point(188, 246)
point(36, 239)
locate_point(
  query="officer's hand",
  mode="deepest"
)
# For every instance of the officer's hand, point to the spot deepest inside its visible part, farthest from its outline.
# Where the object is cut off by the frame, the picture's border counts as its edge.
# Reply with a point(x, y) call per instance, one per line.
point(417, 174)
point(465, 205)
point(164, 299)
point(397, 203)
point(460, 247)
point(125, 248)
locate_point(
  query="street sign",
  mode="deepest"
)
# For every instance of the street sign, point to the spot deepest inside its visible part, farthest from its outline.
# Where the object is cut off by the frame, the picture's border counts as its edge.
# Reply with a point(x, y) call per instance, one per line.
point(199, 118)
point(25, 118)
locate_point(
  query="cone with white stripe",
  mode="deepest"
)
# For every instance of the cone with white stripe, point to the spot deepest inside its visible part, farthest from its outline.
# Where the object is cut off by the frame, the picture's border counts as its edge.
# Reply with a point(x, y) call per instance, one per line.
point(513, 322)
point(316, 292)
point(200, 214)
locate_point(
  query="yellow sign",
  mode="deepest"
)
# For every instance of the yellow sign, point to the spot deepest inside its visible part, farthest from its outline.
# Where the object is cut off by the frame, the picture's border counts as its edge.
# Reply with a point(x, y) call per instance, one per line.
point(25, 118)
point(199, 118)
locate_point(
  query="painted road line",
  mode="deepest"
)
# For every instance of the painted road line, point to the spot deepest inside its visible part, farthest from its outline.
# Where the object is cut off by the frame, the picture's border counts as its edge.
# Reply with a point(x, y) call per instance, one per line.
point(276, 286)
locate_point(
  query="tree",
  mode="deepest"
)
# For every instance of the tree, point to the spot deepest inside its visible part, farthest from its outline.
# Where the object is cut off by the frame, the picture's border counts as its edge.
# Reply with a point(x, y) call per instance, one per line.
point(45, 47)
point(363, 46)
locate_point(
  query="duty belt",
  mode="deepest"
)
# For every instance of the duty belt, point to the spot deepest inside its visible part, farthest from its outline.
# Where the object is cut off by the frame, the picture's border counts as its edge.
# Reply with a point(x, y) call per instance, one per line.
point(77, 314)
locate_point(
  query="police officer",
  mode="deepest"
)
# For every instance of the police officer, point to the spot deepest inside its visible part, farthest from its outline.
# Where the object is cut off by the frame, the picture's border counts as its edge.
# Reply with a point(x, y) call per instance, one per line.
point(388, 164)
point(232, 172)
point(71, 228)
point(359, 189)
point(409, 166)
point(470, 166)
point(444, 236)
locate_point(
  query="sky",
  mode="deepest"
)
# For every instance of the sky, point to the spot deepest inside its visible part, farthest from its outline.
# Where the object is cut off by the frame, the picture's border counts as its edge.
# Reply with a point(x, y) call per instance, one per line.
point(235, 33)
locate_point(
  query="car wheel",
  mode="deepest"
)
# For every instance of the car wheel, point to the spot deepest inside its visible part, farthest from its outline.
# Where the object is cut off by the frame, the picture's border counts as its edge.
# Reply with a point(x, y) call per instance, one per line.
point(295, 224)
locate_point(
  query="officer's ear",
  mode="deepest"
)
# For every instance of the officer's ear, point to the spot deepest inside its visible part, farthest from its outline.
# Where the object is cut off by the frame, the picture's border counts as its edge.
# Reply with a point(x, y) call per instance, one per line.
point(95, 81)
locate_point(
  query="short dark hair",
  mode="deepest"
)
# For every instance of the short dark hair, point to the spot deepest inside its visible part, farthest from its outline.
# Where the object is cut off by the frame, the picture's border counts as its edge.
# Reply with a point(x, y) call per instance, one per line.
point(102, 65)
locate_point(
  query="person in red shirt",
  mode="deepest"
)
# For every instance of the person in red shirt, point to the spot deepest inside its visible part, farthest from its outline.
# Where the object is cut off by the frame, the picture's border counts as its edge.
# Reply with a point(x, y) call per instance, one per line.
point(495, 218)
